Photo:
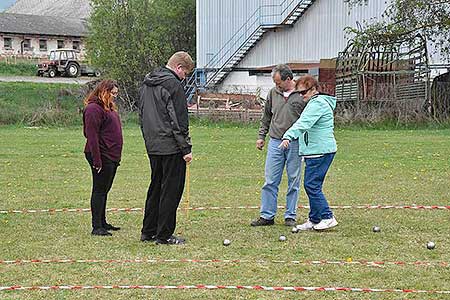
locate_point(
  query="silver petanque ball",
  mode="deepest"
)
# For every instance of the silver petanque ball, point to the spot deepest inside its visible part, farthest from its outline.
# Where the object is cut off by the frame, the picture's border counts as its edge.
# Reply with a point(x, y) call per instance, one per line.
point(294, 229)
point(282, 238)
point(226, 242)
point(431, 245)
point(376, 229)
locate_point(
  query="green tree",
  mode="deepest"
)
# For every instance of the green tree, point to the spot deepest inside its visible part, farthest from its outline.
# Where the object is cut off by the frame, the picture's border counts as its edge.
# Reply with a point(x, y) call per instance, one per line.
point(404, 19)
point(129, 38)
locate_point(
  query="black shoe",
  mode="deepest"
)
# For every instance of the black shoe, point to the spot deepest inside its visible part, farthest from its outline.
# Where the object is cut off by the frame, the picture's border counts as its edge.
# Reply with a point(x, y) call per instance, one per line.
point(148, 238)
point(100, 231)
point(111, 227)
point(173, 240)
point(290, 222)
point(262, 222)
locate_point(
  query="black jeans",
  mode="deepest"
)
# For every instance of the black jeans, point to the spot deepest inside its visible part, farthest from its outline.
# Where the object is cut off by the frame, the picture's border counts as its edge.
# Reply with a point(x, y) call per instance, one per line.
point(164, 195)
point(101, 184)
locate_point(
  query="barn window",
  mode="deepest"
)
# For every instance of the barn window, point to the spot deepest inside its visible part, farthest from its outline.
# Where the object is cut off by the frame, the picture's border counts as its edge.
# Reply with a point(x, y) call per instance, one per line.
point(26, 44)
point(76, 45)
point(7, 43)
point(43, 45)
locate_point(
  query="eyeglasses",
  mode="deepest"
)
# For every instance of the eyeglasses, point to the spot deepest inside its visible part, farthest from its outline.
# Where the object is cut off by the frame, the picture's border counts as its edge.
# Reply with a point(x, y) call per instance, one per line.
point(304, 92)
point(114, 93)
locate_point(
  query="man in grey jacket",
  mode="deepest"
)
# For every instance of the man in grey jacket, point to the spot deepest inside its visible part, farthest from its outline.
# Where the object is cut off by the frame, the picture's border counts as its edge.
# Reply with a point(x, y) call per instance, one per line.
point(282, 108)
point(165, 127)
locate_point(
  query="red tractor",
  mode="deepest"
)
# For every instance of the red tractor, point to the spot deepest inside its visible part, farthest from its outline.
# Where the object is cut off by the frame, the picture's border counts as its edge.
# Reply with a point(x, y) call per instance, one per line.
point(65, 62)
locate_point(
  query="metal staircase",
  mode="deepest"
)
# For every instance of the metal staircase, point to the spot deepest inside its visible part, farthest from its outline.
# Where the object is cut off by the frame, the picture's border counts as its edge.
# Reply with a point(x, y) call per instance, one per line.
point(265, 18)
point(298, 11)
point(193, 84)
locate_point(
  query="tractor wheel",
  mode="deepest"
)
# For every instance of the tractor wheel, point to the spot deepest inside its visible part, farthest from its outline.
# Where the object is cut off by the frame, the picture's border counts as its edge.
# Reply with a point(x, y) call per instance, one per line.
point(73, 70)
point(51, 73)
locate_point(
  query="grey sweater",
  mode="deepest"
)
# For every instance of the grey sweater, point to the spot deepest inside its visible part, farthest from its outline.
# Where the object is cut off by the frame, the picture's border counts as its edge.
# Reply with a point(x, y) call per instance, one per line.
point(280, 113)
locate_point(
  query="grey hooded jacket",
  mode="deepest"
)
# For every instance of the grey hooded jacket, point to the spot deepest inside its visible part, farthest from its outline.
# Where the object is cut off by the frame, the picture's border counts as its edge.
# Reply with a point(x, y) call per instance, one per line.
point(163, 114)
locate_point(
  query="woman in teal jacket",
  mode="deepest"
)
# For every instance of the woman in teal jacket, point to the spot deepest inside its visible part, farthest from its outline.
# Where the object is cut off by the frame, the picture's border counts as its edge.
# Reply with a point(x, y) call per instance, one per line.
point(315, 132)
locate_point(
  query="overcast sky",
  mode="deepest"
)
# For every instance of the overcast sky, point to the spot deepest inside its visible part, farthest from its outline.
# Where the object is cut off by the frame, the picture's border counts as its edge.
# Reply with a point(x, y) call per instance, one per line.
point(6, 3)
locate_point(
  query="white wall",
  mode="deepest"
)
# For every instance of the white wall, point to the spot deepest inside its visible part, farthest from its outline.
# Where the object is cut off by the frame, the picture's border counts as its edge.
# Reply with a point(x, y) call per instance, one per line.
point(218, 21)
point(242, 82)
point(318, 34)
point(52, 44)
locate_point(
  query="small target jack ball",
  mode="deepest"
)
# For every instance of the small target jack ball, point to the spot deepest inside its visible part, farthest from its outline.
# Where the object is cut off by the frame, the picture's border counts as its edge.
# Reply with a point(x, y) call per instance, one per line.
point(376, 229)
point(282, 238)
point(294, 229)
point(431, 245)
point(226, 242)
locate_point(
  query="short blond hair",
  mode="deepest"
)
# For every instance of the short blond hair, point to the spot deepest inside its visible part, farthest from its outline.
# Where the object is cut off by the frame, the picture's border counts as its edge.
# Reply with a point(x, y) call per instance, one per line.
point(181, 58)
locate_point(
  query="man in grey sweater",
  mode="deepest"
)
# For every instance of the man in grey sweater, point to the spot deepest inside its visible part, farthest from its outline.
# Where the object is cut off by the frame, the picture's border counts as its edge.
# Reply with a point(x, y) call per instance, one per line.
point(282, 108)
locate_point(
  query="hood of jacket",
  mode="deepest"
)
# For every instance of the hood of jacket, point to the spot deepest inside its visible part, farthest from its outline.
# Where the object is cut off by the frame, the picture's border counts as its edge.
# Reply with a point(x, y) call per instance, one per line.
point(328, 99)
point(159, 76)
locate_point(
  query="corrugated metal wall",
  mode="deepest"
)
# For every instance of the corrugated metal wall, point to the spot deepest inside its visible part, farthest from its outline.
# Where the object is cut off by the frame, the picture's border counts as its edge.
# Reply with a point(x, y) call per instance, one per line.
point(318, 34)
point(217, 22)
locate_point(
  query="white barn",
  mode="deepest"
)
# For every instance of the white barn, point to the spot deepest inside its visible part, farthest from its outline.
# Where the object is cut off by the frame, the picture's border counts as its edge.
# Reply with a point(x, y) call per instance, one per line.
point(35, 36)
point(33, 28)
point(238, 42)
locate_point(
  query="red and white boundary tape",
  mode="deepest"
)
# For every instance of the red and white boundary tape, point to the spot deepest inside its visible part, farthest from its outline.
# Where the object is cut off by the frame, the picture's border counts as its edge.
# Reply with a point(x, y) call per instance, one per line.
point(81, 210)
point(235, 261)
point(217, 287)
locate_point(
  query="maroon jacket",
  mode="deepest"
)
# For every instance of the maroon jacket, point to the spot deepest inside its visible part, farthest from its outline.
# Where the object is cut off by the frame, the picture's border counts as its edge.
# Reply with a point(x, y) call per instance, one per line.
point(103, 132)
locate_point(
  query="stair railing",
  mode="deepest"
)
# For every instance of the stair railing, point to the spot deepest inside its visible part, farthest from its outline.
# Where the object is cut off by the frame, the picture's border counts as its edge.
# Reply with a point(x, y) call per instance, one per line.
point(265, 16)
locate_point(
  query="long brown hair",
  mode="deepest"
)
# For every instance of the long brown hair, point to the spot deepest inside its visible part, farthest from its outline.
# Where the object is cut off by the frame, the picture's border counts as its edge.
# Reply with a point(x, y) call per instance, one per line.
point(102, 95)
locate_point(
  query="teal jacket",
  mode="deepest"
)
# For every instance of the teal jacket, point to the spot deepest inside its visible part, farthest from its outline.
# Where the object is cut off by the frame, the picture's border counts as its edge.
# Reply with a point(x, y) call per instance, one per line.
point(315, 127)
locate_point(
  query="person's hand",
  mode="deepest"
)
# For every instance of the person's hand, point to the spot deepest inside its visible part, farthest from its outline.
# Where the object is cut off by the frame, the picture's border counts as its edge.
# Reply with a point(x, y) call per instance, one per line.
point(284, 144)
point(260, 144)
point(188, 157)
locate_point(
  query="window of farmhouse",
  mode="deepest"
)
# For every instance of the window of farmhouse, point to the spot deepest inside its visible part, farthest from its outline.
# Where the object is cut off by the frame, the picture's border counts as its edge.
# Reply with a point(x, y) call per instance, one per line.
point(43, 45)
point(26, 44)
point(76, 45)
point(7, 43)
point(60, 44)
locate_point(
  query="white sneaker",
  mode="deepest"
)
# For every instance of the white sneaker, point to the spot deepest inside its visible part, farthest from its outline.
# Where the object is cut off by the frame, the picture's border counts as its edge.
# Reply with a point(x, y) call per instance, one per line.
point(326, 224)
point(308, 225)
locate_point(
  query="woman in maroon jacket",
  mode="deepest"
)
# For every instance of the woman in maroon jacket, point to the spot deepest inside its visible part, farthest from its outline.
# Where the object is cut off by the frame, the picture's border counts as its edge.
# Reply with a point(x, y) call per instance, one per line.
point(103, 150)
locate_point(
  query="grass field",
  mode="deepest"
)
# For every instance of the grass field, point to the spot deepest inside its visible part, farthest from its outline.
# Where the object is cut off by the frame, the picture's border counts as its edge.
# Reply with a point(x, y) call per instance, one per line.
point(45, 168)
point(35, 104)
point(18, 69)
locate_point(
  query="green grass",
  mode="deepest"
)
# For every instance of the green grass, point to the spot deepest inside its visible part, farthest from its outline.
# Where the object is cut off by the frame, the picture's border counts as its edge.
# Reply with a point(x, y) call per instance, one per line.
point(18, 69)
point(45, 168)
point(43, 104)
point(35, 104)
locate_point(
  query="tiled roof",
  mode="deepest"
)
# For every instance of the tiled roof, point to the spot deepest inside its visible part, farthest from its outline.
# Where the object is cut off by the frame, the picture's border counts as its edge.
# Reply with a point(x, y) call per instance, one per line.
point(42, 25)
point(79, 9)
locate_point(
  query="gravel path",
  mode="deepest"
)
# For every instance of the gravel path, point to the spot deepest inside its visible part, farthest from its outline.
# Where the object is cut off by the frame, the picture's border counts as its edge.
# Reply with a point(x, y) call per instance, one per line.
point(36, 79)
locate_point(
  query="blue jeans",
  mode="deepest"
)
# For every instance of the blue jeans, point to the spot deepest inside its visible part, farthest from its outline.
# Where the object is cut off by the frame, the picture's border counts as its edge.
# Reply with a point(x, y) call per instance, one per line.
point(275, 161)
point(315, 172)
